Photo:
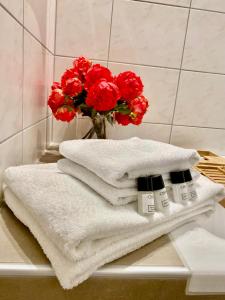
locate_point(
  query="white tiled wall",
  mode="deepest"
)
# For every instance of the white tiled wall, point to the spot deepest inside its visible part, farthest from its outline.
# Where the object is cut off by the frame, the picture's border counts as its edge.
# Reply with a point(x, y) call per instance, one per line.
point(26, 59)
point(176, 46)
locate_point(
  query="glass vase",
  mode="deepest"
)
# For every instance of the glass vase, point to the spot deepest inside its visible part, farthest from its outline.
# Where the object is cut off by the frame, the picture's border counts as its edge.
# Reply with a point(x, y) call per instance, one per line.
point(98, 128)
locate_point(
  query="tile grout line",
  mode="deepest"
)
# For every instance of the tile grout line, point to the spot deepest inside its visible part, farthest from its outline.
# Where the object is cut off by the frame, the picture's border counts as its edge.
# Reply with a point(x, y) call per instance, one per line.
point(179, 76)
point(110, 33)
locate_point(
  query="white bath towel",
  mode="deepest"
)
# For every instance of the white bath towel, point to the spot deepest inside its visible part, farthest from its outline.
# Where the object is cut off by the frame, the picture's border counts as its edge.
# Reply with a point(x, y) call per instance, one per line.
point(78, 230)
point(119, 162)
point(116, 196)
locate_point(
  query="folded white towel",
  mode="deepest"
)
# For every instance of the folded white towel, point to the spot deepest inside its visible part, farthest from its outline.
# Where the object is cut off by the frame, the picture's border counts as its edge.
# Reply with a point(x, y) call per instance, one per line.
point(119, 162)
point(78, 230)
point(116, 196)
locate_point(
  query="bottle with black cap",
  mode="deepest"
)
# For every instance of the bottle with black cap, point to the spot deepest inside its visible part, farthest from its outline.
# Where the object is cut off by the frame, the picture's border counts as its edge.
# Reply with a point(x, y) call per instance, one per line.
point(146, 204)
point(179, 187)
point(190, 185)
point(160, 193)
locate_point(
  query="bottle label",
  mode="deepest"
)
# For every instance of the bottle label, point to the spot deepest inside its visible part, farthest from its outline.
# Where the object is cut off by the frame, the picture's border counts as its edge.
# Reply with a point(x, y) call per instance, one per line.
point(148, 205)
point(183, 192)
point(164, 198)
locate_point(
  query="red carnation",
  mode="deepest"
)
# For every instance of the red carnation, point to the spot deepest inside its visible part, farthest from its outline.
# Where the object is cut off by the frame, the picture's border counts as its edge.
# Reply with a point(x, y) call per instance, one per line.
point(122, 119)
point(103, 96)
point(129, 84)
point(56, 99)
point(97, 73)
point(73, 87)
point(139, 105)
point(65, 113)
point(68, 74)
point(55, 85)
point(81, 66)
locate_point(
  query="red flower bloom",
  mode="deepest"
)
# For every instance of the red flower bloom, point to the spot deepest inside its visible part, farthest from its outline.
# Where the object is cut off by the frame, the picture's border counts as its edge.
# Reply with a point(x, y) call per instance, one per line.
point(56, 99)
point(122, 119)
point(103, 96)
point(138, 105)
point(72, 87)
point(68, 74)
point(129, 84)
point(81, 66)
point(97, 73)
point(56, 85)
point(65, 113)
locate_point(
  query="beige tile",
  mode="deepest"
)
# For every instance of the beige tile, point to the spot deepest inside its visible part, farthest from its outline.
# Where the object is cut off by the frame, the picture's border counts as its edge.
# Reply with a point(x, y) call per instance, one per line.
point(34, 93)
point(217, 5)
point(83, 28)
point(39, 18)
point(146, 33)
point(11, 56)
point(199, 138)
point(200, 100)
point(14, 7)
point(49, 76)
point(159, 87)
point(10, 154)
point(62, 131)
point(34, 142)
point(205, 42)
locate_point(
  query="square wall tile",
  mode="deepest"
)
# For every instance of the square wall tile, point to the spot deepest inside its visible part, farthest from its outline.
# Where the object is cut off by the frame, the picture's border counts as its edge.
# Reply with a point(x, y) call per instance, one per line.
point(10, 154)
point(157, 132)
point(34, 142)
point(11, 61)
point(34, 89)
point(83, 28)
point(62, 131)
point(160, 87)
point(39, 19)
point(200, 100)
point(205, 42)
point(14, 7)
point(199, 138)
point(216, 5)
point(185, 3)
point(146, 33)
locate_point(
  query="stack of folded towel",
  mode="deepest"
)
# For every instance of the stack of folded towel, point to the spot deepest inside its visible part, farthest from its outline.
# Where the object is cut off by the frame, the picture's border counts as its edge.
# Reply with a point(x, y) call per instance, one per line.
point(83, 212)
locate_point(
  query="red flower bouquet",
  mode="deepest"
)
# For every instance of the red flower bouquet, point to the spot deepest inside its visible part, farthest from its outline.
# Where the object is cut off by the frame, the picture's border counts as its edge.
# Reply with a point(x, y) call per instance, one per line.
point(91, 90)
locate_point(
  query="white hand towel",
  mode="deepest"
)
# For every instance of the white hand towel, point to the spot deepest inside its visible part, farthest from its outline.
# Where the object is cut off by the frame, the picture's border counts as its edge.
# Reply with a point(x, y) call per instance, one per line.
point(116, 196)
point(119, 162)
point(71, 273)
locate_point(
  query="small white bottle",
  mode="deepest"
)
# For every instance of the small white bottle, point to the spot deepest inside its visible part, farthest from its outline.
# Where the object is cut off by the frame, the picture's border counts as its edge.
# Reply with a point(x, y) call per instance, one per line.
point(179, 187)
point(191, 186)
point(160, 193)
point(146, 204)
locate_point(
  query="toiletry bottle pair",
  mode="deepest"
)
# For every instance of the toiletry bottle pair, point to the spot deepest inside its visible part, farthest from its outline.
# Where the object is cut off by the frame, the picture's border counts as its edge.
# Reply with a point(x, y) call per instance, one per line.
point(183, 186)
point(152, 195)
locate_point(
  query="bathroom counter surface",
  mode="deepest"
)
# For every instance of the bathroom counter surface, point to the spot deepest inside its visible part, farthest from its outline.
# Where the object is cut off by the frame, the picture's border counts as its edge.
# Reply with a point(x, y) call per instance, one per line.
point(21, 255)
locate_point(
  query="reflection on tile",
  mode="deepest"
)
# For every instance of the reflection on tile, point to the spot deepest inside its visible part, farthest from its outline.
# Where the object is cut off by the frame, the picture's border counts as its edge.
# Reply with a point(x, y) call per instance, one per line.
point(159, 87)
point(39, 18)
point(83, 28)
point(185, 3)
point(216, 5)
point(146, 33)
point(34, 142)
point(49, 76)
point(200, 100)
point(10, 153)
point(14, 7)
point(10, 75)
point(199, 138)
point(34, 94)
point(62, 131)
point(205, 42)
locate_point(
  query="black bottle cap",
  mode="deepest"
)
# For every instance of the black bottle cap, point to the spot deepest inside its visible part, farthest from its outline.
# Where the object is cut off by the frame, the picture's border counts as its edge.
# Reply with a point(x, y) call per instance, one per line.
point(143, 184)
point(156, 182)
point(177, 177)
point(187, 175)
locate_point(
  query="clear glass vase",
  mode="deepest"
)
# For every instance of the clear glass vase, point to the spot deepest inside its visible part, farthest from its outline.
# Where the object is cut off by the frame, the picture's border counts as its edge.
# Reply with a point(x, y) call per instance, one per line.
point(98, 128)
